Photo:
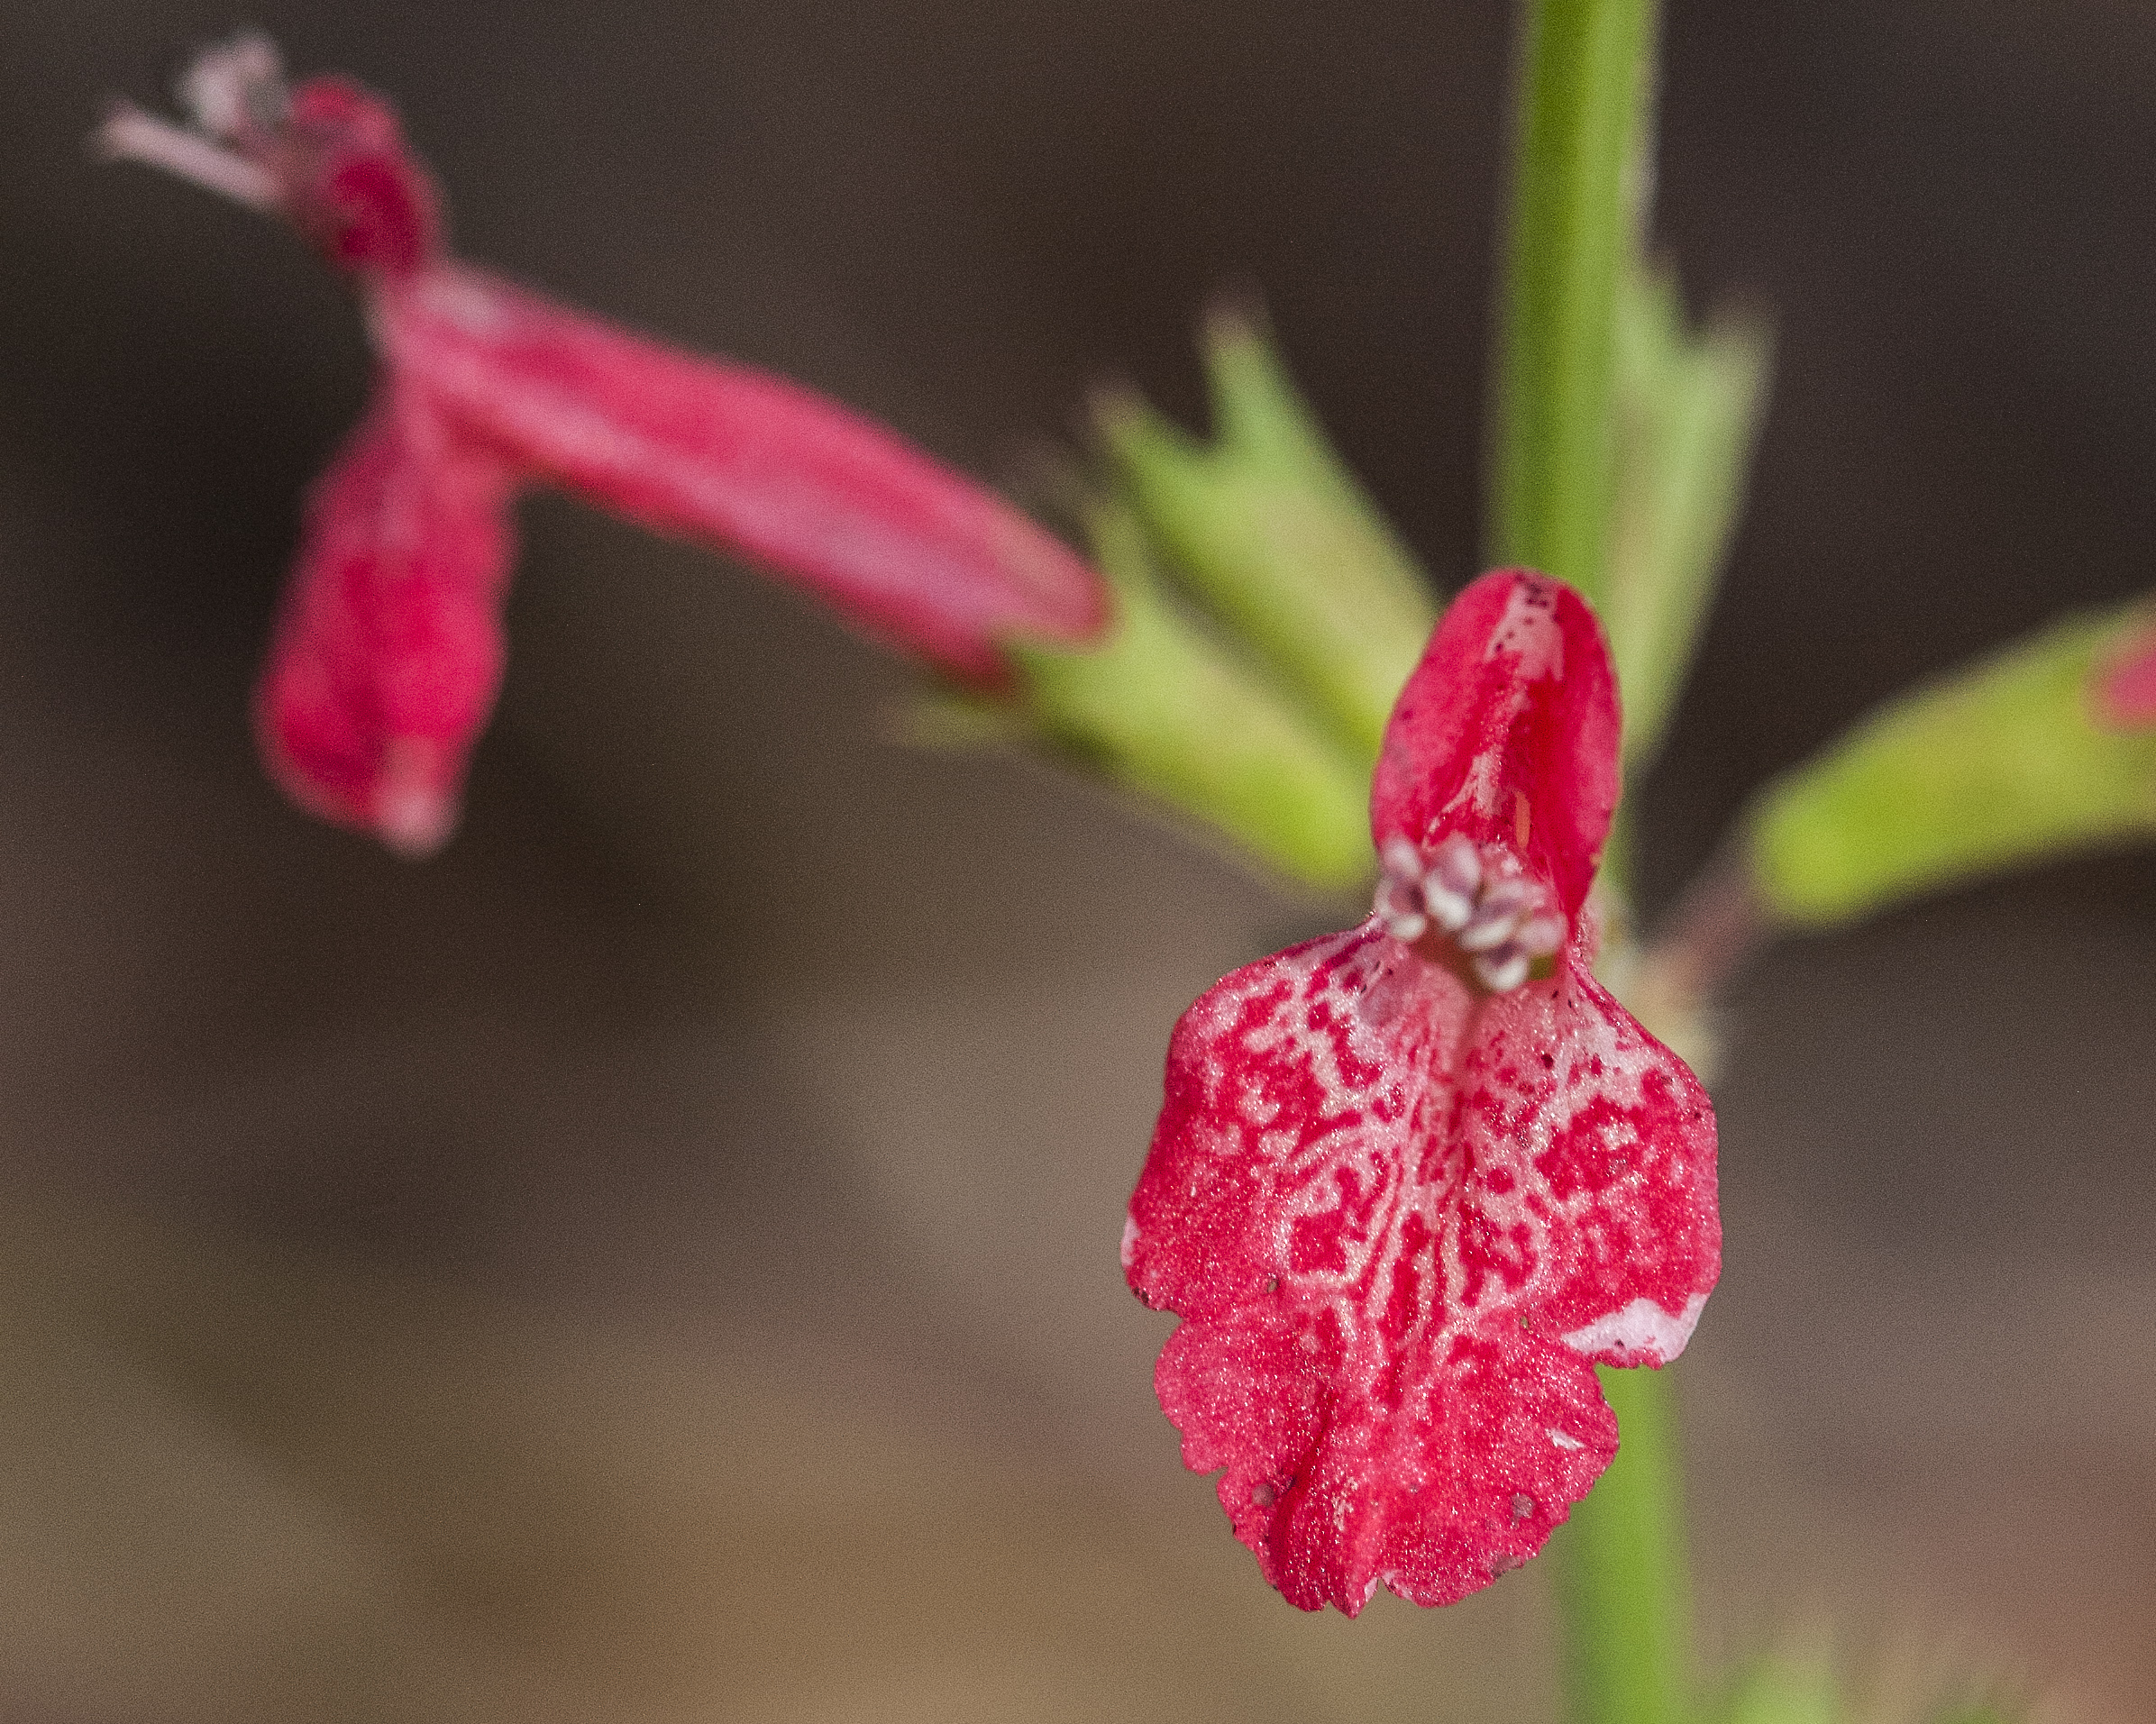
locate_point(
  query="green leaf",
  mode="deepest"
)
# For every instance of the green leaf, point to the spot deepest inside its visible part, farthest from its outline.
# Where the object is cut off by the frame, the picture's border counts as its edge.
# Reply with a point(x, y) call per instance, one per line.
point(2005, 763)
point(1778, 1690)
point(1163, 707)
point(1271, 533)
point(1689, 408)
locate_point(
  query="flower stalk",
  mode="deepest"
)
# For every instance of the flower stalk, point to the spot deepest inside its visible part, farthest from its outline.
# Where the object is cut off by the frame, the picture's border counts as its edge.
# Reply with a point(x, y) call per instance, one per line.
point(1586, 82)
point(1582, 100)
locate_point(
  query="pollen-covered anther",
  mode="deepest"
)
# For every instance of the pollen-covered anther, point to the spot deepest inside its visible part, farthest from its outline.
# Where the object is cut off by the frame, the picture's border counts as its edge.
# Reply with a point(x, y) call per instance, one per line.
point(1499, 922)
point(1400, 888)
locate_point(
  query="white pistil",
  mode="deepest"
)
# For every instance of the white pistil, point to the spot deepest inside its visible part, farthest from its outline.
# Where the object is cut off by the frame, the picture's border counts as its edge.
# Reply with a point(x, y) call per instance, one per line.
point(129, 134)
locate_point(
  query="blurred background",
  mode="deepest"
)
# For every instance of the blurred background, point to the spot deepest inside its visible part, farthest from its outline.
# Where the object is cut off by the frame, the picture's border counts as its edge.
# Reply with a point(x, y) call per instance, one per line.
point(656, 1261)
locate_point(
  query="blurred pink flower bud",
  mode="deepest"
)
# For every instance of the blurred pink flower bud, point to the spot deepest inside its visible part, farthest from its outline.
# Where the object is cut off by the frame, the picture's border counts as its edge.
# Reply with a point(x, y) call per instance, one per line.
point(2126, 688)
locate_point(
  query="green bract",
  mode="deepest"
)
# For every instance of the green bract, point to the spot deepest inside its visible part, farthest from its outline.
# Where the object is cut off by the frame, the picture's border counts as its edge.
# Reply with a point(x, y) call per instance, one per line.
point(1778, 1690)
point(1688, 409)
point(2006, 762)
point(1271, 533)
point(1163, 707)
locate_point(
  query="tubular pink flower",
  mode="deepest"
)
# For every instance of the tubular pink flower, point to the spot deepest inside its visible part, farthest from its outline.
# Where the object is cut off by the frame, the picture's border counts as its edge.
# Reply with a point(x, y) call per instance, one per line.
point(744, 462)
point(386, 664)
point(1411, 1181)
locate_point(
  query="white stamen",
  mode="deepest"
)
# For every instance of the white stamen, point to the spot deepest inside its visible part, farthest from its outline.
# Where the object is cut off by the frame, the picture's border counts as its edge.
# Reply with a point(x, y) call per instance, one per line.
point(1407, 926)
point(1503, 969)
point(1540, 936)
point(1488, 929)
point(1503, 922)
point(236, 86)
point(1399, 896)
point(1565, 1440)
point(1449, 909)
point(1499, 913)
point(129, 134)
point(1456, 867)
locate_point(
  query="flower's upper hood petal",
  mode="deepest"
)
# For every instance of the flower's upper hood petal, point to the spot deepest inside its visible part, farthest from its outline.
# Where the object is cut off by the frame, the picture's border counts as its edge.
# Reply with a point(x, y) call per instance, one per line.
point(1507, 731)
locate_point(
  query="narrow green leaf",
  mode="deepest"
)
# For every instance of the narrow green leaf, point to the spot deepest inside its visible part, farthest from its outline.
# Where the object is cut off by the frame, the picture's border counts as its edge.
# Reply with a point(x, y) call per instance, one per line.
point(1689, 408)
point(2005, 763)
point(1270, 532)
point(1162, 708)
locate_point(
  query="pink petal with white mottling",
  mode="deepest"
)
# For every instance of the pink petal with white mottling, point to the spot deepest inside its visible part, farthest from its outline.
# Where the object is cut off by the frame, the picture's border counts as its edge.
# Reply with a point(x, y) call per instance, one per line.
point(1381, 1205)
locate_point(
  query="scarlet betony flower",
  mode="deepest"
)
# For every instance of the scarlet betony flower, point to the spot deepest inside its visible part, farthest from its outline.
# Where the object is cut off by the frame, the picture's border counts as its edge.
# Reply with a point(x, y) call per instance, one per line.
point(1411, 1181)
point(387, 655)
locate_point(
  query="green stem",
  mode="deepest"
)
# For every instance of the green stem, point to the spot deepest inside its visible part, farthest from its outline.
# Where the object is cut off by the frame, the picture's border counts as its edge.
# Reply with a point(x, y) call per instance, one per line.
point(1585, 84)
point(1622, 1585)
point(1582, 102)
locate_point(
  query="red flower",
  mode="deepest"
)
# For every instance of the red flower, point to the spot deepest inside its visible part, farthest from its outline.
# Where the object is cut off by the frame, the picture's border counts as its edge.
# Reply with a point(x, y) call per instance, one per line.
point(1411, 1181)
point(387, 655)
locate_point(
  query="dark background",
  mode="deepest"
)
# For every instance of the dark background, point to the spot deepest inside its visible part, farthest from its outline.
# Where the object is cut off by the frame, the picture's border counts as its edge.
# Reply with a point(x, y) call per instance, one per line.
point(657, 1261)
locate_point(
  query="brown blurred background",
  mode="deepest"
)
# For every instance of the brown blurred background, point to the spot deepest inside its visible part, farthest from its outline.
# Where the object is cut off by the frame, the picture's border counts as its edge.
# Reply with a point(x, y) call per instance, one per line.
point(657, 1261)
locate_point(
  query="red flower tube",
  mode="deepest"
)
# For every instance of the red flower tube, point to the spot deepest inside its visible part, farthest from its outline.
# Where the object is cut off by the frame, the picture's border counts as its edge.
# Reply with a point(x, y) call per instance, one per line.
point(386, 662)
point(1413, 1181)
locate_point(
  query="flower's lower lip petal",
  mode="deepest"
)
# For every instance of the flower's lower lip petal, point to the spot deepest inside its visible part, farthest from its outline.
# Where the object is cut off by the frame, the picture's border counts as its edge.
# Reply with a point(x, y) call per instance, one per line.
point(1433, 1498)
point(387, 652)
point(746, 463)
point(1383, 1209)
